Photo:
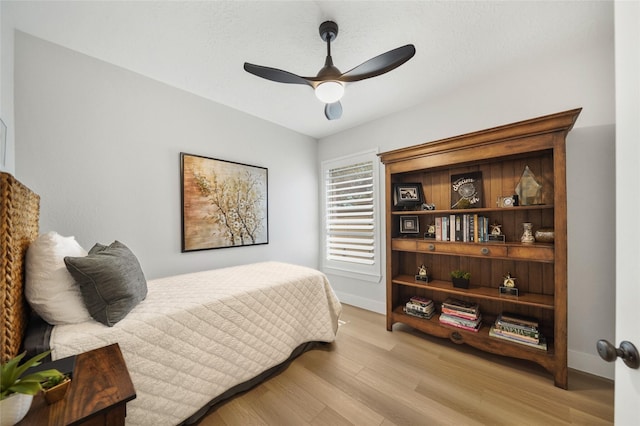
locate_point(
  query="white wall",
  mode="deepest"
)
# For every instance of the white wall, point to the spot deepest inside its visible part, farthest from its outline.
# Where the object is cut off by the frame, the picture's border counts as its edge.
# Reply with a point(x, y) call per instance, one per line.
point(547, 85)
point(6, 87)
point(101, 145)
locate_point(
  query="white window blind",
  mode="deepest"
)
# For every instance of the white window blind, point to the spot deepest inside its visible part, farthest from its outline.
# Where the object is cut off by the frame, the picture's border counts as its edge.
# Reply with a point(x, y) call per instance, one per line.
point(349, 204)
point(350, 216)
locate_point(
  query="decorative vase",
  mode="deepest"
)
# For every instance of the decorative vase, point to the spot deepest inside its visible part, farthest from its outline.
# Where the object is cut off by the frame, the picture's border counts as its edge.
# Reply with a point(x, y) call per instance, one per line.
point(14, 408)
point(57, 392)
point(527, 235)
point(460, 282)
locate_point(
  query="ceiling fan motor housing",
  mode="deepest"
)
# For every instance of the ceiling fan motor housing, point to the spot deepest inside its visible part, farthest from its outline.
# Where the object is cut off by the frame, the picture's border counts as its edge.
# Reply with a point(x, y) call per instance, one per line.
point(328, 30)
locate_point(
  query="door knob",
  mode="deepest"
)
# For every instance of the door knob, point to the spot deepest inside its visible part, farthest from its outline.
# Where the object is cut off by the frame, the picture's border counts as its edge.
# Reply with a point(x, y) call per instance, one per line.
point(627, 351)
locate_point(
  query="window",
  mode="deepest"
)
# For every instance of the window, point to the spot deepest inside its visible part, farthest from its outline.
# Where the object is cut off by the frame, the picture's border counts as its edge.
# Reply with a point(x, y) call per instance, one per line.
point(351, 242)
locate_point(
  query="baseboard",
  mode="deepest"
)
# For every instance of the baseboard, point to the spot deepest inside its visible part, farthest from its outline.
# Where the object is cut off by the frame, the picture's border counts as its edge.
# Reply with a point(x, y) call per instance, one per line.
point(362, 302)
point(592, 364)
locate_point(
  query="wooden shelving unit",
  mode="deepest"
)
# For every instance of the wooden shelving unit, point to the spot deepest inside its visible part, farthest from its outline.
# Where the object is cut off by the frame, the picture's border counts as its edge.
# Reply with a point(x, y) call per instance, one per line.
point(501, 155)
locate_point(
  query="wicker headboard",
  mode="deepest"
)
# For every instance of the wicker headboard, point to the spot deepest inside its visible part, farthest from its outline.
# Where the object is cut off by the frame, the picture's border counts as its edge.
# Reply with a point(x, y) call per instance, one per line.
point(19, 215)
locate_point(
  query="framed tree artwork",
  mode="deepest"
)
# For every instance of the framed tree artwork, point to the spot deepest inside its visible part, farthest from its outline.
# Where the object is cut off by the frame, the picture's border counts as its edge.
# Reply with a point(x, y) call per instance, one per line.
point(224, 204)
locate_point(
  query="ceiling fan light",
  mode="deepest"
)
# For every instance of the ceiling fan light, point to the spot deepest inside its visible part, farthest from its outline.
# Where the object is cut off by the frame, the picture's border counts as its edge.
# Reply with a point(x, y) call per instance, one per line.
point(329, 91)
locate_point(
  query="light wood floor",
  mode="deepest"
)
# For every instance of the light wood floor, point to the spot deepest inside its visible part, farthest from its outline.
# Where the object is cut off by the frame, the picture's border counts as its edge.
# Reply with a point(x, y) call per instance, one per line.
point(370, 376)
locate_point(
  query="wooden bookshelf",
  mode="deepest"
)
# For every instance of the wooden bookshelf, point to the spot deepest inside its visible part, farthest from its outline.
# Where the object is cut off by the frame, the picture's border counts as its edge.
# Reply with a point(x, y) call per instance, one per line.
point(501, 155)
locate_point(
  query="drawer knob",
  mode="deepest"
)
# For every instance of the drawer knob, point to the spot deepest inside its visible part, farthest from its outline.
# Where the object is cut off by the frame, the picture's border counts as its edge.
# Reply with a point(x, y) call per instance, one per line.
point(484, 250)
point(431, 247)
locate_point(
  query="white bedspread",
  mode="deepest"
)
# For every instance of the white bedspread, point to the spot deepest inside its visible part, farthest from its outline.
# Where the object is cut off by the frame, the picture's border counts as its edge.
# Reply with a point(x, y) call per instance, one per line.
point(199, 334)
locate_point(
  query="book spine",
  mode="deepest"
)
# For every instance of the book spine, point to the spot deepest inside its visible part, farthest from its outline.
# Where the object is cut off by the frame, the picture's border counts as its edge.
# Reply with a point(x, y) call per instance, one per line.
point(495, 333)
point(438, 229)
point(458, 325)
point(452, 227)
point(419, 308)
point(525, 331)
point(460, 314)
point(450, 319)
point(418, 314)
point(516, 320)
point(420, 299)
point(532, 339)
point(445, 229)
point(459, 227)
point(474, 228)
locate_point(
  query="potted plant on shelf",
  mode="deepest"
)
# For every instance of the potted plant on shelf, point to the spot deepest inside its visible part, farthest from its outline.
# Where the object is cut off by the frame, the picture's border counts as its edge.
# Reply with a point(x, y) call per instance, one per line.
point(460, 279)
point(55, 387)
point(17, 386)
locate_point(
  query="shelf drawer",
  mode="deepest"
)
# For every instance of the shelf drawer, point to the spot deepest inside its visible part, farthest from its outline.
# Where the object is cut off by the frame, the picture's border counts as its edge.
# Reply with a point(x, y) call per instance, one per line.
point(403, 245)
point(535, 252)
point(463, 249)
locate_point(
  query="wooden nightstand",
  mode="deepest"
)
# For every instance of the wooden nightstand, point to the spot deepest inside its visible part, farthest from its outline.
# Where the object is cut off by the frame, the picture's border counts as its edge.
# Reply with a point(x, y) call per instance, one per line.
point(99, 392)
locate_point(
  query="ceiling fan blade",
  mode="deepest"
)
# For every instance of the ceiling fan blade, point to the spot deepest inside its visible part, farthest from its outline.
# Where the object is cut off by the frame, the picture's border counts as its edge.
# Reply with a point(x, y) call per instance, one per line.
point(380, 64)
point(275, 74)
point(333, 111)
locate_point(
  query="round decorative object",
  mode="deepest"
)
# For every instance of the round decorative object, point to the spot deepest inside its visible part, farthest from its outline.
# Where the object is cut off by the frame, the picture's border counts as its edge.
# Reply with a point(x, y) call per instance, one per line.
point(545, 235)
point(527, 235)
point(14, 408)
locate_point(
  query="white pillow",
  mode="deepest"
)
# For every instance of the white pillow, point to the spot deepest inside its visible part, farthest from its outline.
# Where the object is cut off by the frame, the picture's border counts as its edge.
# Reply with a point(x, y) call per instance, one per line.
point(50, 289)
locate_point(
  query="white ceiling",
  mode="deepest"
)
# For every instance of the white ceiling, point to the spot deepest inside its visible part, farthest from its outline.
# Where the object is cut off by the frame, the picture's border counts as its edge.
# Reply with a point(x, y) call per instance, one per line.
point(201, 46)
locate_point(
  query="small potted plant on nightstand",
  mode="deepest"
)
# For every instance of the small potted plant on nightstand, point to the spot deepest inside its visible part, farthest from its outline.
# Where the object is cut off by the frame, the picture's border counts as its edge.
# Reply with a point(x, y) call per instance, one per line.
point(460, 279)
point(17, 387)
point(55, 387)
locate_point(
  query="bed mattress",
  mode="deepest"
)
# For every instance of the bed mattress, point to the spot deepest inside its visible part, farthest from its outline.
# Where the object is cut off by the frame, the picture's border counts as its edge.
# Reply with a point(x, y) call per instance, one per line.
point(197, 335)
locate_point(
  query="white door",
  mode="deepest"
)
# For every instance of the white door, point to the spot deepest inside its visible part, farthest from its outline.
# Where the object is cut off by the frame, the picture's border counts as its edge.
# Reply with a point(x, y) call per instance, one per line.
point(627, 44)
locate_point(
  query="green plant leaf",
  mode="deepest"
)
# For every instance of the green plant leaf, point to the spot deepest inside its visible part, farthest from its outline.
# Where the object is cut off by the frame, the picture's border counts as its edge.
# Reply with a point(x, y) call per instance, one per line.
point(27, 387)
point(11, 372)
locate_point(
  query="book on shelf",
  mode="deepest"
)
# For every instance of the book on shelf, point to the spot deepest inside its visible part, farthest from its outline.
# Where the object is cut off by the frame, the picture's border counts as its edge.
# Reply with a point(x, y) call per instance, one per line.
point(421, 300)
point(461, 305)
point(542, 343)
point(460, 322)
point(419, 308)
point(466, 190)
point(518, 331)
point(517, 319)
point(461, 314)
point(459, 231)
point(517, 336)
point(419, 314)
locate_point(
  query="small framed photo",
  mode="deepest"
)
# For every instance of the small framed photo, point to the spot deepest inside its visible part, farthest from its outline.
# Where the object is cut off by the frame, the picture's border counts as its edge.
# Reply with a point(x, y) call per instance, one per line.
point(409, 225)
point(508, 201)
point(407, 194)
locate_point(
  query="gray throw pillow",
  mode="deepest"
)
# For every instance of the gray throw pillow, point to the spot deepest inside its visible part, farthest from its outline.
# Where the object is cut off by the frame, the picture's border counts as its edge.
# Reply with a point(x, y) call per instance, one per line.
point(111, 281)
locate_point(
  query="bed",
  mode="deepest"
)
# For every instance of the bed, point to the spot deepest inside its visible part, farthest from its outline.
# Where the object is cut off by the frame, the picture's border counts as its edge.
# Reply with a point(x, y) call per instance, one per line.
point(195, 340)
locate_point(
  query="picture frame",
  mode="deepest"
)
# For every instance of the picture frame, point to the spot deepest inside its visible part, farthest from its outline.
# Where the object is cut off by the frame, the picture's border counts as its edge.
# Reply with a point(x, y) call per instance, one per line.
point(467, 191)
point(407, 194)
point(409, 225)
point(224, 203)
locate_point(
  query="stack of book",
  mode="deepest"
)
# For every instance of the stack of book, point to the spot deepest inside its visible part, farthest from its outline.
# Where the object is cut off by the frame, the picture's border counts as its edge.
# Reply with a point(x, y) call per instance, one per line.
point(419, 306)
point(518, 329)
point(461, 314)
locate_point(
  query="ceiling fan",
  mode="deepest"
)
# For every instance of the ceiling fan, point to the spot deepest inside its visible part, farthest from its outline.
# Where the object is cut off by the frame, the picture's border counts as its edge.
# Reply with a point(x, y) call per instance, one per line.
point(329, 83)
